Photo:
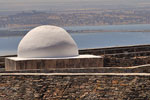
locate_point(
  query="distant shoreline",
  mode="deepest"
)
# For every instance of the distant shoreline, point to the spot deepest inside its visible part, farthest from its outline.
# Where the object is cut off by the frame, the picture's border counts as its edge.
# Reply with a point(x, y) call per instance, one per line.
point(96, 31)
point(22, 33)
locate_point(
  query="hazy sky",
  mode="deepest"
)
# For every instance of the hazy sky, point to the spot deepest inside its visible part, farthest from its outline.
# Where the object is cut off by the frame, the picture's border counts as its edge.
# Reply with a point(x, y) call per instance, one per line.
point(12, 5)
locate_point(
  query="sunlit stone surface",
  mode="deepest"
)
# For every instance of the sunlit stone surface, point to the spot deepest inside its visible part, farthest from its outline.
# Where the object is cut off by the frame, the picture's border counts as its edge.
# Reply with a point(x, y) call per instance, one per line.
point(47, 42)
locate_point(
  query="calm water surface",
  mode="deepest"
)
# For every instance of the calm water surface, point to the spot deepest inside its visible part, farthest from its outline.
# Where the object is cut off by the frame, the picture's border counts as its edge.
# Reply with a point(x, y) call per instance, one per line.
point(8, 45)
point(112, 27)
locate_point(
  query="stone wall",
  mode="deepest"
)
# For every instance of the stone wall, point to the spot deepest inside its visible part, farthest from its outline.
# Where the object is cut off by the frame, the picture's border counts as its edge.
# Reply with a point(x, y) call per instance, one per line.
point(124, 56)
point(115, 50)
point(2, 60)
point(125, 62)
point(127, 59)
point(135, 69)
point(27, 64)
point(74, 86)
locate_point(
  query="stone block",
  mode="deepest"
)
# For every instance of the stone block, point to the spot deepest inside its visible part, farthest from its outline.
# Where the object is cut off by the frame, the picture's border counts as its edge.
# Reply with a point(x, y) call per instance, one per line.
point(82, 61)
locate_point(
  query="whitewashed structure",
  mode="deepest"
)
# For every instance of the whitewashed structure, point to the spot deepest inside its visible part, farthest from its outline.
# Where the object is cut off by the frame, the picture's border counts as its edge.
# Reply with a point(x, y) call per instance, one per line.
point(47, 42)
point(47, 47)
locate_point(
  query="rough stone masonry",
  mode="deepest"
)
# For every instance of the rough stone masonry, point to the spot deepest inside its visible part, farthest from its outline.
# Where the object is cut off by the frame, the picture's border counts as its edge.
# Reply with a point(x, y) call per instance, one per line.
point(74, 86)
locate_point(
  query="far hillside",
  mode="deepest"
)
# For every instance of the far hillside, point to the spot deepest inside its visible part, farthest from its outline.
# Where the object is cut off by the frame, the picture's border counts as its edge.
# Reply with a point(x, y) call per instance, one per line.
point(80, 17)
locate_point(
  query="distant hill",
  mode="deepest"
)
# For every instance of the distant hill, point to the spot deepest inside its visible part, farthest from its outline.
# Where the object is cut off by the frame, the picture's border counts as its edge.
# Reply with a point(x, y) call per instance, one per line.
point(25, 20)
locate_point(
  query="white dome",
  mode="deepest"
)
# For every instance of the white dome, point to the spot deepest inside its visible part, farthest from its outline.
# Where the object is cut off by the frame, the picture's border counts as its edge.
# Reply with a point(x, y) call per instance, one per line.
point(47, 42)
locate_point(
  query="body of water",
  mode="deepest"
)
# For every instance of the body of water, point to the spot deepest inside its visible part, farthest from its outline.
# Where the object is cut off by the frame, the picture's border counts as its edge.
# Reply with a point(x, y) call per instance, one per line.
point(134, 27)
point(8, 45)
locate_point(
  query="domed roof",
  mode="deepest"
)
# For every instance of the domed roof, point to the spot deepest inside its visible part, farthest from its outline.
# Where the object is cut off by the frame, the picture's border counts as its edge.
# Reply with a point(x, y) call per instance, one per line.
point(47, 41)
